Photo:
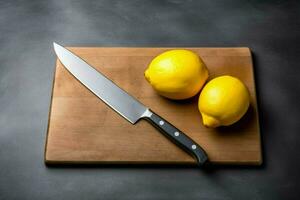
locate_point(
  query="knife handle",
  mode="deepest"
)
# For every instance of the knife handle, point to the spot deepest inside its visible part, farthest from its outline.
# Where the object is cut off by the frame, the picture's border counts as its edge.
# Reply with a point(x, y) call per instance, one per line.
point(177, 137)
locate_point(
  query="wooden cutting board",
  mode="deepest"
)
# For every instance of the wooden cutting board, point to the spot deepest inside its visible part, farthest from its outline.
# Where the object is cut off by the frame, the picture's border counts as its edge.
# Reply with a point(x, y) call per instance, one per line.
point(82, 129)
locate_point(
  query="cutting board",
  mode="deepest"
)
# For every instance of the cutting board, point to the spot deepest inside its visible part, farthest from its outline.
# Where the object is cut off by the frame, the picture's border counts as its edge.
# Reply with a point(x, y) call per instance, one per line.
point(82, 129)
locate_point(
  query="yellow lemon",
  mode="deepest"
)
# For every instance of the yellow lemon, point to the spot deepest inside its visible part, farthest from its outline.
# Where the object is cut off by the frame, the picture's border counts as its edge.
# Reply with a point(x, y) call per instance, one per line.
point(223, 101)
point(177, 74)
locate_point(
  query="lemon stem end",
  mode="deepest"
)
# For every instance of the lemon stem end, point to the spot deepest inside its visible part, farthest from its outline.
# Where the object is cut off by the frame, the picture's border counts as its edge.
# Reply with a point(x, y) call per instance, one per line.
point(209, 121)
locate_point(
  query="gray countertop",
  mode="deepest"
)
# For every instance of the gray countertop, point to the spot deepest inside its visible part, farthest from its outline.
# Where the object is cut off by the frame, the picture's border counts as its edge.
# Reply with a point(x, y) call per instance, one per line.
point(28, 28)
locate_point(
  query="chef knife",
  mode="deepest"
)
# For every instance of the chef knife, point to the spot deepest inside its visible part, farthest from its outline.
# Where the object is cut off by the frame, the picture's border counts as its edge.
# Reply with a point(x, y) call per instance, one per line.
point(123, 103)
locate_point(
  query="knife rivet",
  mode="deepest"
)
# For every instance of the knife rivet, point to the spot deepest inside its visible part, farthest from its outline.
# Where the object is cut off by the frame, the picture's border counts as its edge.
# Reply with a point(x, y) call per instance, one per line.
point(176, 133)
point(194, 146)
point(161, 122)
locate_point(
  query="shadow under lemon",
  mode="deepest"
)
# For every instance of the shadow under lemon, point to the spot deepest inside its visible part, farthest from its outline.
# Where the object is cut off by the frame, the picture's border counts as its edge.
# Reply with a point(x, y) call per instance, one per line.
point(240, 127)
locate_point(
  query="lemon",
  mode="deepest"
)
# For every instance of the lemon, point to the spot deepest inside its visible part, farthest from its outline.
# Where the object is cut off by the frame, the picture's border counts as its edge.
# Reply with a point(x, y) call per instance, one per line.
point(223, 101)
point(177, 74)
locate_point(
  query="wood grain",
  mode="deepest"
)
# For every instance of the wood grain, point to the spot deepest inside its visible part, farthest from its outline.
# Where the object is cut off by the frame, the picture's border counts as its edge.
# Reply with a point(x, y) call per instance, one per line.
point(82, 129)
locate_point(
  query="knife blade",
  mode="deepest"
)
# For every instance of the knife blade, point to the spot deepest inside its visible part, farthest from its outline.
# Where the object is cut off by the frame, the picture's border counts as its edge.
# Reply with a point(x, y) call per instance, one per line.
point(123, 103)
